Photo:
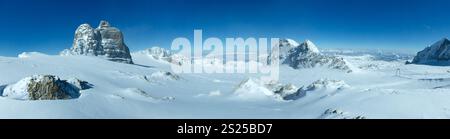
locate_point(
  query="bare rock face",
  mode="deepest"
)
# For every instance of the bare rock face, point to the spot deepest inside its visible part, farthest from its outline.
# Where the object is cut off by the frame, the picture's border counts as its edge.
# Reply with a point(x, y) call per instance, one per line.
point(43, 87)
point(105, 40)
point(436, 54)
point(49, 88)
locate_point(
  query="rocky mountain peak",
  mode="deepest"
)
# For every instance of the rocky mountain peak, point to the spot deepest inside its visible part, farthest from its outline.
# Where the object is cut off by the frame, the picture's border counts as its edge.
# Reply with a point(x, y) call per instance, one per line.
point(443, 41)
point(436, 54)
point(84, 28)
point(306, 55)
point(105, 41)
point(288, 43)
point(309, 46)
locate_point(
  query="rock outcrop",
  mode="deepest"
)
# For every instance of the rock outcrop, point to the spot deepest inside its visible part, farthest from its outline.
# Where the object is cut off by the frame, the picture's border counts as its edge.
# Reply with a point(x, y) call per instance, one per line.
point(105, 41)
point(307, 55)
point(436, 54)
point(44, 87)
point(287, 92)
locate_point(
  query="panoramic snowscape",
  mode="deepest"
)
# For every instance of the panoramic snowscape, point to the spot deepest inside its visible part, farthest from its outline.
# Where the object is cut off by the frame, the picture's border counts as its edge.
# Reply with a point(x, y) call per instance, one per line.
point(99, 78)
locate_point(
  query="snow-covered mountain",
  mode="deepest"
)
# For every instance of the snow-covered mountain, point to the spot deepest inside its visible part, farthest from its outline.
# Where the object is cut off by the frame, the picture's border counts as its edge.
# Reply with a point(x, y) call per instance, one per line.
point(307, 55)
point(162, 54)
point(105, 41)
point(436, 54)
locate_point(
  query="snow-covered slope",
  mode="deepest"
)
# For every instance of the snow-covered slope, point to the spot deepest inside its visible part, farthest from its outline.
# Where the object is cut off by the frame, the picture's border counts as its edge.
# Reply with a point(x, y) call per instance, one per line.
point(148, 89)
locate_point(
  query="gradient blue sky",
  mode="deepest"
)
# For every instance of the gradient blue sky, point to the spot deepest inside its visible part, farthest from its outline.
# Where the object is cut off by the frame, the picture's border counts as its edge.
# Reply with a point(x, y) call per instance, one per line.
point(48, 25)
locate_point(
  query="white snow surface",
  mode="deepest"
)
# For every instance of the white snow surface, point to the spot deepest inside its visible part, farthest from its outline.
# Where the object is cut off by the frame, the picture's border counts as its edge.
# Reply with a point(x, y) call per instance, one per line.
point(377, 89)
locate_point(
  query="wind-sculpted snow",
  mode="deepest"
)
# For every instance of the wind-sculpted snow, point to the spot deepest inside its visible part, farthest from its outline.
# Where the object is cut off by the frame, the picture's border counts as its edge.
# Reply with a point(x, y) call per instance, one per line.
point(307, 55)
point(104, 41)
point(436, 54)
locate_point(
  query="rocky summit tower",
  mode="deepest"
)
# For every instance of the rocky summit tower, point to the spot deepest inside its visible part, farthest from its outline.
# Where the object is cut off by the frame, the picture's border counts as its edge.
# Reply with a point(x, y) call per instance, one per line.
point(104, 41)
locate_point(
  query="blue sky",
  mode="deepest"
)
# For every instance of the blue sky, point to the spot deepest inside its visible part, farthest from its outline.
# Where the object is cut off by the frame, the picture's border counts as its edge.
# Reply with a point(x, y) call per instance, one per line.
point(48, 25)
